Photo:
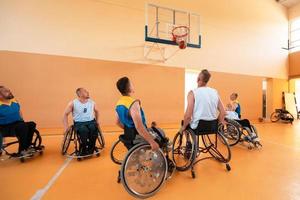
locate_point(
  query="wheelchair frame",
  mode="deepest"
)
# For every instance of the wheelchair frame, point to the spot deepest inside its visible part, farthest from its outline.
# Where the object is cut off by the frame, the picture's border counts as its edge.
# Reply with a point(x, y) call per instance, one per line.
point(194, 151)
point(38, 148)
point(238, 132)
point(71, 135)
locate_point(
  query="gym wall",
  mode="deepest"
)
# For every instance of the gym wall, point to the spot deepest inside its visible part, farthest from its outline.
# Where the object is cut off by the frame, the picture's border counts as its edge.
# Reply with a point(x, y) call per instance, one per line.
point(242, 37)
point(44, 84)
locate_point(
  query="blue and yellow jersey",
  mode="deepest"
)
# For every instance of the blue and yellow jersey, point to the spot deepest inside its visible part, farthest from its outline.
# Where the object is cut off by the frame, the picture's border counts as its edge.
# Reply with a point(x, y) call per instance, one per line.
point(10, 112)
point(123, 106)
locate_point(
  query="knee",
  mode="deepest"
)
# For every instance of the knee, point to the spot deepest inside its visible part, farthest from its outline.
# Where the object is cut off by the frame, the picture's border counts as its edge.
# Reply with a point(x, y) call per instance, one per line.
point(31, 125)
point(82, 130)
point(92, 128)
point(21, 127)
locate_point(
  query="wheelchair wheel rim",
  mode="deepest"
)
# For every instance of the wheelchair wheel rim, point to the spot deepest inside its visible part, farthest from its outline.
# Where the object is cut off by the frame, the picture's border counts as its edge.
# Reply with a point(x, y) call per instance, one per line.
point(66, 141)
point(118, 152)
point(275, 117)
point(144, 171)
point(183, 150)
point(231, 133)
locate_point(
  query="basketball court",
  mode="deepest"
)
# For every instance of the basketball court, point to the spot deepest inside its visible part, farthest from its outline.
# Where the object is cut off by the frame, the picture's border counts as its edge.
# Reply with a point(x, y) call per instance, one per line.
point(54, 55)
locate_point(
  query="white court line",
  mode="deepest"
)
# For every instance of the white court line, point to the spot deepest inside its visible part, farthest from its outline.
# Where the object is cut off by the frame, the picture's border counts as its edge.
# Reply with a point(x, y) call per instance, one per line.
point(41, 192)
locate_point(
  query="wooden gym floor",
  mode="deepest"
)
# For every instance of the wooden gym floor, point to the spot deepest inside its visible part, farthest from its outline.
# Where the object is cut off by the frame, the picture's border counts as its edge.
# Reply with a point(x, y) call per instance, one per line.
point(270, 173)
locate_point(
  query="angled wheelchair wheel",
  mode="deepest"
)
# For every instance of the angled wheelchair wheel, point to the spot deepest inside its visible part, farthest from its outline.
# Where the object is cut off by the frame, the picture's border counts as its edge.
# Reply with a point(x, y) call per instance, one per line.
point(275, 116)
point(143, 171)
point(37, 139)
point(118, 152)
point(67, 140)
point(231, 132)
point(100, 139)
point(184, 150)
point(217, 147)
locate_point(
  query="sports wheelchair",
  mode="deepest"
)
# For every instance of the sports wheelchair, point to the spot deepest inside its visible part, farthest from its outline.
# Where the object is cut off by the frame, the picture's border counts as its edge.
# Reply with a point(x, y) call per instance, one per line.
point(187, 148)
point(72, 136)
point(282, 114)
point(36, 147)
point(143, 171)
point(235, 133)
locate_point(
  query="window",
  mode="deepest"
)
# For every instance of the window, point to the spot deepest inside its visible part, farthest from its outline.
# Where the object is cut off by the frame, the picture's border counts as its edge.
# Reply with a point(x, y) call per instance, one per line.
point(295, 35)
point(190, 83)
point(297, 91)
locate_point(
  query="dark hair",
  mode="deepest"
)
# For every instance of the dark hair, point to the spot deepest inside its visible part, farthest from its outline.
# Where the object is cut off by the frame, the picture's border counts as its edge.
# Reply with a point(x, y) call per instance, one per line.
point(236, 95)
point(123, 85)
point(205, 75)
point(78, 91)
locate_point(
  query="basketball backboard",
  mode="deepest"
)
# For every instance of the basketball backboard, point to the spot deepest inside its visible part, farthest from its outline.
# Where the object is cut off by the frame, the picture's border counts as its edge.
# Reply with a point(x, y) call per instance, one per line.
point(160, 21)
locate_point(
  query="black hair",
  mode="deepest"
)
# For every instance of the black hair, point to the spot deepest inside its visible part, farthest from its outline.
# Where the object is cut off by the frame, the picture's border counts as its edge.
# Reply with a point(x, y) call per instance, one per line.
point(123, 85)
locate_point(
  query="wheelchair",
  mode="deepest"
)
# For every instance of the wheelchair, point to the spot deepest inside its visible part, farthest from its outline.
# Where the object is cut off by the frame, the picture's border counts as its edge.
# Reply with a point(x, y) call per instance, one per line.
point(143, 171)
point(36, 147)
point(187, 148)
point(71, 136)
point(283, 115)
point(235, 133)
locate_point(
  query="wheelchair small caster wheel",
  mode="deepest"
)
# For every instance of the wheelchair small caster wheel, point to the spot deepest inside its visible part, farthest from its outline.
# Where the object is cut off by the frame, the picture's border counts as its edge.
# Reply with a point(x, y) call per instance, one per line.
point(193, 175)
point(228, 168)
point(41, 153)
point(79, 159)
point(22, 160)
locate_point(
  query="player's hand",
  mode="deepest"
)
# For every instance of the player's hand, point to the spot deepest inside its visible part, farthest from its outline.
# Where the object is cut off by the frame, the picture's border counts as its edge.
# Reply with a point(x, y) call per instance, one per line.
point(224, 122)
point(154, 146)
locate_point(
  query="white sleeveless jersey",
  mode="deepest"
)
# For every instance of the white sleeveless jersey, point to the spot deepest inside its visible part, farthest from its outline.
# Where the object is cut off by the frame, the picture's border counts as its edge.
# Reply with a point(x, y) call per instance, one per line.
point(206, 105)
point(83, 112)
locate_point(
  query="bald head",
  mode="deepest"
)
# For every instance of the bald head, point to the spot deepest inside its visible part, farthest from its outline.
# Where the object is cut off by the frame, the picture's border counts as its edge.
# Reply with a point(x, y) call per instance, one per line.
point(5, 93)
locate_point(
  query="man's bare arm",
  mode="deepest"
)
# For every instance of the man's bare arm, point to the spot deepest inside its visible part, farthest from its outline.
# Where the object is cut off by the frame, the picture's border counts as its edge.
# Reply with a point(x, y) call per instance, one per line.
point(68, 110)
point(222, 111)
point(135, 112)
point(96, 111)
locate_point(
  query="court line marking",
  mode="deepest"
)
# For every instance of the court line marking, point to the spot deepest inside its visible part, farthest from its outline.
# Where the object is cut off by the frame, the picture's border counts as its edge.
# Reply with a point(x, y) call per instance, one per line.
point(41, 192)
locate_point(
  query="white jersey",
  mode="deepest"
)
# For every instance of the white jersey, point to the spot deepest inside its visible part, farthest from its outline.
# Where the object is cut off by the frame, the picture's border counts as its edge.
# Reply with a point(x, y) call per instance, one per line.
point(83, 112)
point(232, 115)
point(206, 105)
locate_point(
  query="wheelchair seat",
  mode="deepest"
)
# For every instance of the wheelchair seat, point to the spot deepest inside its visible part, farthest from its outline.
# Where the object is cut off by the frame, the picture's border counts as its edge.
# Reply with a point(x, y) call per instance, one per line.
point(206, 127)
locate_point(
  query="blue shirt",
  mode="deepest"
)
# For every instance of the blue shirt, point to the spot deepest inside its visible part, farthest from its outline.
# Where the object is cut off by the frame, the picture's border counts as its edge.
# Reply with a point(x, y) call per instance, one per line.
point(123, 106)
point(10, 112)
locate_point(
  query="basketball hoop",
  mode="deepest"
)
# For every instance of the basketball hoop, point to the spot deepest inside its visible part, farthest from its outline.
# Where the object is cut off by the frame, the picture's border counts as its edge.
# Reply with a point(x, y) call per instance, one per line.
point(180, 36)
